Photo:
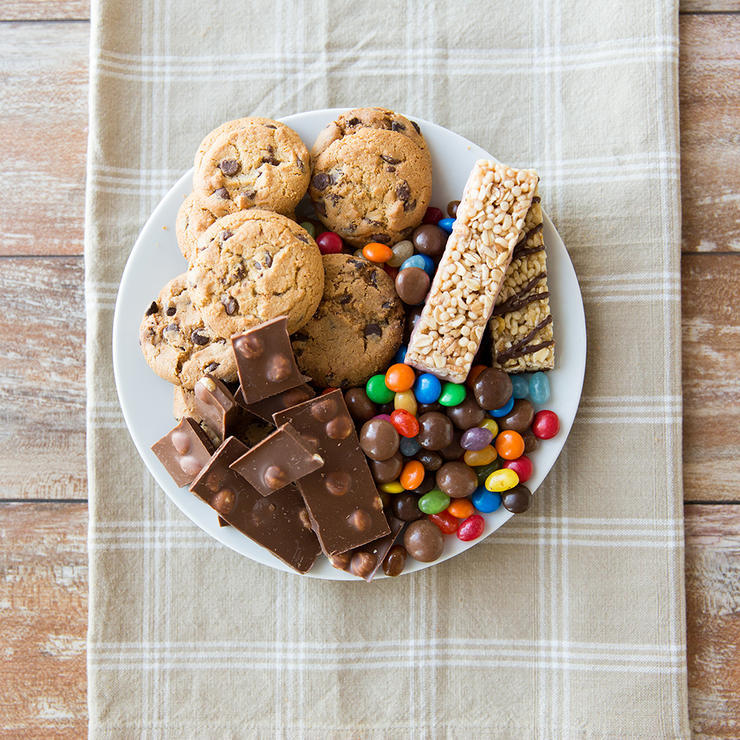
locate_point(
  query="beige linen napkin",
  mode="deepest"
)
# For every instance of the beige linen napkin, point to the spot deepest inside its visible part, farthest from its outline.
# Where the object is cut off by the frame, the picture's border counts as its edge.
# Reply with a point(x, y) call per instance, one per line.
point(569, 621)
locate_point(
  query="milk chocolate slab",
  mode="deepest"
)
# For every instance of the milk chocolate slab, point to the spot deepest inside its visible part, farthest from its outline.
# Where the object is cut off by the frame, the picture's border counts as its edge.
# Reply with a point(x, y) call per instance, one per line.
point(279, 459)
point(184, 451)
point(216, 404)
point(264, 360)
point(266, 408)
point(279, 523)
point(365, 561)
point(341, 497)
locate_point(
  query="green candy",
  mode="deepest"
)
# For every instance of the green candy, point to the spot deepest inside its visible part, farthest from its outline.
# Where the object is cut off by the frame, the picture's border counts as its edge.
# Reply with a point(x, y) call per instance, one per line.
point(309, 227)
point(453, 394)
point(434, 502)
point(377, 391)
point(486, 470)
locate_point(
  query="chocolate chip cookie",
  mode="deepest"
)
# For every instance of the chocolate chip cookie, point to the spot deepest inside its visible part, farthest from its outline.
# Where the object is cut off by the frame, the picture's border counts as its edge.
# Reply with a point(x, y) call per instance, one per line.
point(372, 186)
point(357, 327)
point(197, 212)
point(177, 344)
point(252, 266)
point(253, 162)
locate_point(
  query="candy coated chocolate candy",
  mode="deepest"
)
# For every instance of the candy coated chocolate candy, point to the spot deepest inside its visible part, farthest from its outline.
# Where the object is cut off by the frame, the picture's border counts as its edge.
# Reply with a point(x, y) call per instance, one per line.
point(517, 499)
point(401, 252)
point(329, 243)
point(377, 391)
point(431, 461)
point(395, 561)
point(546, 424)
point(456, 479)
point(466, 414)
point(360, 406)
point(520, 417)
point(485, 500)
point(412, 285)
point(476, 438)
point(453, 451)
point(378, 439)
point(492, 388)
point(423, 541)
point(435, 431)
point(505, 410)
point(531, 442)
point(446, 224)
point(405, 507)
point(385, 471)
point(432, 215)
point(363, 564)
point(427, 390)
point(430, 240)
point(409, 446)
point(452, 394)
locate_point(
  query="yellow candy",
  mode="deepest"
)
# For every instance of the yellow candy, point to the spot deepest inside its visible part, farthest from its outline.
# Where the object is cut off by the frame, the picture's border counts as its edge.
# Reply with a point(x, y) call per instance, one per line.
point(480, 457)
point(502, 480)
point(405, 400)
point(396, 487)
point(491, 425)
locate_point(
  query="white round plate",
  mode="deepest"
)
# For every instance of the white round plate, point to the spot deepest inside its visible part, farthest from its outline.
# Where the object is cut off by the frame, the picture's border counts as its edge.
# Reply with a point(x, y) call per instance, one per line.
point(146, 399)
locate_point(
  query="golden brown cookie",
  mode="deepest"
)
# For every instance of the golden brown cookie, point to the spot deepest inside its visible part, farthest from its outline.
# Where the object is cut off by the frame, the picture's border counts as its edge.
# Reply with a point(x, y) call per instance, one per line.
point(374, 185)
point(254, 162)
point(357, 327)
point(252, 266)
point(196, 214)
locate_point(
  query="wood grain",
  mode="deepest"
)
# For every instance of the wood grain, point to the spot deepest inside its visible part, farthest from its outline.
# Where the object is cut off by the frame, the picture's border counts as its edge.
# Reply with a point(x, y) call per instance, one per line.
point(44, 10)
point(710, 6)
point(43, 127)
point(42, 396)
point(43, 612)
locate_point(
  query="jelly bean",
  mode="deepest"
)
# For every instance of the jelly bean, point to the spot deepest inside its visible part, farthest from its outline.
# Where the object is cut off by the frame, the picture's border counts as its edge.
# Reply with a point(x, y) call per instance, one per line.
point(539, 388)
point(309, 227)
point(522, 466)
point(412, 476)
point(427, 388)
point(475, 371)
point(377, 391)
point(491, 425)
point(446, 224)
point(476, 438)
point(503, 410)
point(329, 242)
point(501, 480)
point(520, 386)
point(446, 522)
point(485, 501)
point(432, 215)
point(471, 528)
point(486, 470)
point(453, 394)
point(392, 487)
point(405, 400)
point(377, 252)
point(400, 355)
point(409, 446)
point(509, 444)
point(517, 499)
point(546, 424)
point(406, 424)
point(476, 458)
point(401, 252)
point(399, 377)
point(434, 502)
point(461, 508)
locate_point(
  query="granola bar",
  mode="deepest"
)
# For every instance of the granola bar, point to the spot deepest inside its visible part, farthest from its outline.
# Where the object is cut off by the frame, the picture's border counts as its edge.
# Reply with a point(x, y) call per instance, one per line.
point(489, 223)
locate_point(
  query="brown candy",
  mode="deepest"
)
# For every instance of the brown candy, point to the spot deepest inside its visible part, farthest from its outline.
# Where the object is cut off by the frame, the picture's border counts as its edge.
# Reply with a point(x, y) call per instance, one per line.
point(453, 451)
point(385, 471)
point(432, 461)
point(360, 407)
point(456, 479)
point(379, 439)
point(412, 285)
point(430, 240)
point(531, 442)
point(466, 414)
point(517, 499)
point(492, 389)
point(519, 418)
point(405, 507)
point(426, 485)
point(425, 408)
point(395, 561)
point(363, 564)
point(452, 208)
point(435, 431)
point(423, 541)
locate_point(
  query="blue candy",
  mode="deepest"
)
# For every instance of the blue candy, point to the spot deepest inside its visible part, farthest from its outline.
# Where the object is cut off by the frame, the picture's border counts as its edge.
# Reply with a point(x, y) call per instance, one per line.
point(485, 501)
point(427, 388)
point(539, 388)
point(409, 446)
point(400, 356)
point(446, 224)
point(422, 261)
point(497, 413)
point(520, 384)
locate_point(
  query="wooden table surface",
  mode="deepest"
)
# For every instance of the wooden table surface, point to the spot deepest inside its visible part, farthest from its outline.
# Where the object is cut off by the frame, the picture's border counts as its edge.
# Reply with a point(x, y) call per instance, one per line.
point(43, 493)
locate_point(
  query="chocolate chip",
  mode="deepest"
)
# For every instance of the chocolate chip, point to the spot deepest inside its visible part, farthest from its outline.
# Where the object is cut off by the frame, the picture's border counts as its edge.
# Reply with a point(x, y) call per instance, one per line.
point(409, 205)
point(402, 191)
point(240, 272)
point(230, 167)
point(199, 338)
point(226, 234)
point(344, 299)
point(270, 160)
point(321, 181)
point(210, 367)
point(153, 308)
point(382, 238)
point(251, 194)
point(299, 164)
point(230, 305)
point(397, 126)
point(299, 336)
point(171, 311)
point(222, 193)
point(390, 169)
point(416, 126)
point(172, 327)
point(374, 279)
point(320, 206)
point(334, 198)
point(389, 160)
point(373, 330)
point(269, 125)
point(267, 259)
point(353, 122)
point(371, 221)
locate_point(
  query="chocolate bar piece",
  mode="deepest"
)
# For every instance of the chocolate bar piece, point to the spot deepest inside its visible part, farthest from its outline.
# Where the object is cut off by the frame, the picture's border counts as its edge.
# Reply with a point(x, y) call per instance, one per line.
point(365, 561)
point(341, 497)
point(488, 225)
point(184, 451)
point(216, 405)
point(264, 360)
point(279, 459)
point(521, 325)
point(279, 523)
point(265, 409)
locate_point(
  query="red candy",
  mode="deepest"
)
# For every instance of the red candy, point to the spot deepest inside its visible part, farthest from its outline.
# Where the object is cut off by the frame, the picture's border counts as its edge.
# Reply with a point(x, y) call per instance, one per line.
point(406, 424)
point(432, 216)
point(546, 424)
point(329, 242)
point(471, 528)
point(522, 466)
point(447, 523)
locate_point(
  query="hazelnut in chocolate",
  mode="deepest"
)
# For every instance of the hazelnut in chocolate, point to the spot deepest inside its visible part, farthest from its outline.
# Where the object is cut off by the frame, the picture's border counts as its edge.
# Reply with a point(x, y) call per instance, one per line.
point(183, 451)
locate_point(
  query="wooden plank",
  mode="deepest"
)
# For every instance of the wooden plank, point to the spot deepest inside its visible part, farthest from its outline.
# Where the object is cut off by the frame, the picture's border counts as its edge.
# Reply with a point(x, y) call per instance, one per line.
point(43, 127)
point(42, 364)
point(709, 84)
point(44, 10)
point(711, 388)
point(710, 6)
point(43, 612)
point(713, 625)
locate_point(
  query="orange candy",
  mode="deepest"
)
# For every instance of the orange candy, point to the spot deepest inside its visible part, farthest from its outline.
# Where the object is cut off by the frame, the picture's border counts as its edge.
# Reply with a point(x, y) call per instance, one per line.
point(399, 377)
point(475, 371)
point(377, 252)
point(510, 445)
point(461, 508)
point(412, 475)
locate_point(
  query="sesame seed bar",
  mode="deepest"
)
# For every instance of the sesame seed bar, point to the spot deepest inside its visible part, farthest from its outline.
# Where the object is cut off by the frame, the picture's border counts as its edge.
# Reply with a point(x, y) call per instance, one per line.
point(521, 325)
point(489, 223)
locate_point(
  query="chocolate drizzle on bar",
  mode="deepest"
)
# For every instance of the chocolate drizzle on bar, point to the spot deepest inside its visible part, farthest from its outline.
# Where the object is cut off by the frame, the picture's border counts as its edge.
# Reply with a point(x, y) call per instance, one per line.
point(523, 297)
point(522, 250)
point(522, 347)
